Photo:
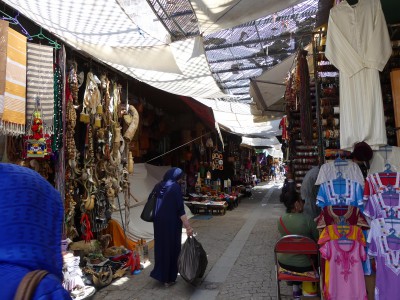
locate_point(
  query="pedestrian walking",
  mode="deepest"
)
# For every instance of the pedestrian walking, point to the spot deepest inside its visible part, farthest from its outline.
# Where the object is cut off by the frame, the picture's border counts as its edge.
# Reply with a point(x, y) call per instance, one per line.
point(169, 216)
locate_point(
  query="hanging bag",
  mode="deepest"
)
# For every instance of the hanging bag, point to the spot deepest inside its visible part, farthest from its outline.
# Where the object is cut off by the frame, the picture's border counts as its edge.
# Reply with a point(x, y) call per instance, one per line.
point(148, 209)
point(27, 286)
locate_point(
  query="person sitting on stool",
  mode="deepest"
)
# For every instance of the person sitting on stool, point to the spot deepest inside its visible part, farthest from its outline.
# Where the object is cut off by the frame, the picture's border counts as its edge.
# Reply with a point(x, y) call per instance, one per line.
point(295, 222)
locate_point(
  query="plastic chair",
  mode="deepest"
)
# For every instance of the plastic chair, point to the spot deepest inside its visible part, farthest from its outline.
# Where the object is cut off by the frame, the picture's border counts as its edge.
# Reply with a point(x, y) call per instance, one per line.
point(295, 244)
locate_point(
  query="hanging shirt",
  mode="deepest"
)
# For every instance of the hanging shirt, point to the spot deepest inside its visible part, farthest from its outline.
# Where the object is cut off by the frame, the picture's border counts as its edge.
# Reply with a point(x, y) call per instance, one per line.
point(383, 205)
point(329, 171)
point(346, 276)
point(358, 44)
point(340, 192)
point(380, 159)
point(386, 252)
point(334, 232)
point(380, 182)
point(334, 215)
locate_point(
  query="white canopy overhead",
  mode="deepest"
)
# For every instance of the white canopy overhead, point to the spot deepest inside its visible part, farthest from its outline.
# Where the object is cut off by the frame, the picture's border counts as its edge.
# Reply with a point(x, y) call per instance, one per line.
point(242, 118)
point(258, 142)
point(267, 89)
point(215, 15)
point(184, 47)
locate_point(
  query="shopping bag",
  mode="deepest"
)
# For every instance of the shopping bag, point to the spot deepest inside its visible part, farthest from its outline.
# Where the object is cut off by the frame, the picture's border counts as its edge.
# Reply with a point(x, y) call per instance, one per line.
point(192, 261)
point(148, 209)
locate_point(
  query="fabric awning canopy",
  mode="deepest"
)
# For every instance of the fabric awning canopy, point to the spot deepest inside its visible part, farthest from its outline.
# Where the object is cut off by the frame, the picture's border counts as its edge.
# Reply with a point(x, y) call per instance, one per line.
point(242, 119)
point(215, 15)
point(176, 45)
point(268, 89)
point(259, 142)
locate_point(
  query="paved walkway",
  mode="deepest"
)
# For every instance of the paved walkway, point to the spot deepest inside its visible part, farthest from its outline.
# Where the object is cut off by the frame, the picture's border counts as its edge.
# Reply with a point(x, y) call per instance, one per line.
point(239, 248)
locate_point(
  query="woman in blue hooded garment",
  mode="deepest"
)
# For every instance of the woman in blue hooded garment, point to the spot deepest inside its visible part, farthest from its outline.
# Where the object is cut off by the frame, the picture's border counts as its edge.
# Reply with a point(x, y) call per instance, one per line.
point(168, 219)
point(31, 220)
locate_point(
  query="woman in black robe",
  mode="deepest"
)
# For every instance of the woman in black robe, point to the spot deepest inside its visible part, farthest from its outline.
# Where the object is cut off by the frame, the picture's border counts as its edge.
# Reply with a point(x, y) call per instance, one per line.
point(168, 219)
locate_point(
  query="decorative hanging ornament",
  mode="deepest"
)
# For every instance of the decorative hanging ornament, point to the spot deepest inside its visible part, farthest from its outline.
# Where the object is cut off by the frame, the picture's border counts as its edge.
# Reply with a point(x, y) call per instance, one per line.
point(217, 160)
point(37, 142)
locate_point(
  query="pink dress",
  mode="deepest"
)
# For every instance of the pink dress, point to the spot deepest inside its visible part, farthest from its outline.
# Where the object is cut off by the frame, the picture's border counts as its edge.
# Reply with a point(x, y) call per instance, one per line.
point(346, 276)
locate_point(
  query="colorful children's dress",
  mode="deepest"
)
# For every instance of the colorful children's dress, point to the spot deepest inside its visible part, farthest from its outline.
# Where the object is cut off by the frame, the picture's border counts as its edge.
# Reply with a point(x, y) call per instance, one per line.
point(346, 276)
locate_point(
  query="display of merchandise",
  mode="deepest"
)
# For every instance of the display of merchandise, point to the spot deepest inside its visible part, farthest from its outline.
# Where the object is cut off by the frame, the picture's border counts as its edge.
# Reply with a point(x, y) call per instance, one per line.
point(327, 77)
point(382, 207)
point(358, 44)
point(302, 146)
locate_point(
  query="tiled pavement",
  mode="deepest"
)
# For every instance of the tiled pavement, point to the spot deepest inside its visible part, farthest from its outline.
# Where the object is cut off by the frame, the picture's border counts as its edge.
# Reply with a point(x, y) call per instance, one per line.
point(239, 248)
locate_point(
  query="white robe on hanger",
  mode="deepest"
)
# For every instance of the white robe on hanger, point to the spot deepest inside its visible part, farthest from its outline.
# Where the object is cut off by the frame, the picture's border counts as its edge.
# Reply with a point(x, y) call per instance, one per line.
point(358, 44)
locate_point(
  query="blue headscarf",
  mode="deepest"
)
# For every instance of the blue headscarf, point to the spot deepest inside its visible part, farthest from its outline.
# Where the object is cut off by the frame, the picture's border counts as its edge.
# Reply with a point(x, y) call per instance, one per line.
point(173, 175)
point(31, 219)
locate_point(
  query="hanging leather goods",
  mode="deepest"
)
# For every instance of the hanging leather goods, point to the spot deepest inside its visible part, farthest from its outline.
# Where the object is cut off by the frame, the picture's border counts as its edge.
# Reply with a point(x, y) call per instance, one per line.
point(97, 121)
point(130, 163)
point(84, 116)
point(99, 109)
point(92, 97)
point(89, 202)
point(132, 120)
point(87, 233)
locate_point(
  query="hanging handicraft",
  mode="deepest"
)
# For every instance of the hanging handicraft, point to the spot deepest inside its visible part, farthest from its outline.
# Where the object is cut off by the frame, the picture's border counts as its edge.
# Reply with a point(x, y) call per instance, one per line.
point(37, 143)
point(217, 160)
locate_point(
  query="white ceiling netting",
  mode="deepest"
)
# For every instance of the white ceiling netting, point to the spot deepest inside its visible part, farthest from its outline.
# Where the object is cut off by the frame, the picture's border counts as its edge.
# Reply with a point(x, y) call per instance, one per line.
point(128, 35)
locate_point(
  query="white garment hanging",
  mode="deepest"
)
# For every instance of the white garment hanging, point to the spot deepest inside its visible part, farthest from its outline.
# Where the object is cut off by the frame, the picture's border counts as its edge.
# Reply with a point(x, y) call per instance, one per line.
point(329, 171)
point(358, 44)
point(379, 160)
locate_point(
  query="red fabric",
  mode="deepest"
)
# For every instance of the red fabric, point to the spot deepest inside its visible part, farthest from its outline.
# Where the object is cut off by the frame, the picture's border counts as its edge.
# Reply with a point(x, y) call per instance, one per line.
point(283, 226)
point(287, 277)
point(331, 215)
point(204, 112)
point(87, 234)
point(378, 183)
point(283, 126)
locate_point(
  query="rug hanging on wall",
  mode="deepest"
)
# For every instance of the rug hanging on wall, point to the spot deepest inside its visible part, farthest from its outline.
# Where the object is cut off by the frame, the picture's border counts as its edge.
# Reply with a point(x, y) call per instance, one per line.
point(12, 80)
point(40, 84)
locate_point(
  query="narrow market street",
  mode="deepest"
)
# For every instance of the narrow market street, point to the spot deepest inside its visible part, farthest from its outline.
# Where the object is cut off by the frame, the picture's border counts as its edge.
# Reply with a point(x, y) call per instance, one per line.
point(239, 248)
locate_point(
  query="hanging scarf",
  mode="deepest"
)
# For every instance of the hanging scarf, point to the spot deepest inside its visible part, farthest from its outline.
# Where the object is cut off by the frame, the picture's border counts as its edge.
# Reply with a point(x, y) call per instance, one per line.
point(58, 109)
point(40, 83)
point(13, 80)
point(87, 234)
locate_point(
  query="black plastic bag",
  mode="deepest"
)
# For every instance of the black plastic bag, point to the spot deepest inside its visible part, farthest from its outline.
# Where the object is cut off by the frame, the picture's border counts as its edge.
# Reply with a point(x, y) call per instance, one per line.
point(192, 261)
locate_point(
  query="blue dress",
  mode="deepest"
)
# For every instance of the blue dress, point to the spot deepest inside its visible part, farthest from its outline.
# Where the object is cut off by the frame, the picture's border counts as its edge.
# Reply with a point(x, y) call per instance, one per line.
point(31, 220)
point(168, 227)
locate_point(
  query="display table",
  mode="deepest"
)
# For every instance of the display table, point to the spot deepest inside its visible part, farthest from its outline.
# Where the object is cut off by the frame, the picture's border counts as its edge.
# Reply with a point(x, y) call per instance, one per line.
point(207, 207)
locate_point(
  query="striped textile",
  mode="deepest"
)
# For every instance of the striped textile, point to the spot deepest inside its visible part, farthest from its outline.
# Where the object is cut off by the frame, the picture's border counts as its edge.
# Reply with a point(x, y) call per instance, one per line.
point(40, 83)
point(3, 62)
point(13, 118)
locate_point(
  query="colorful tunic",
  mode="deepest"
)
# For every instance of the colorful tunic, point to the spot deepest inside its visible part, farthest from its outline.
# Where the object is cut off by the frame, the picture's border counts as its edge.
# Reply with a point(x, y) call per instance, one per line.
point(334, 232)
point(346, 277)
point(329, 171)
point(380, 182)
point(383, 205)
point(340, 192)
point(386, 251)
point(334, 215)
